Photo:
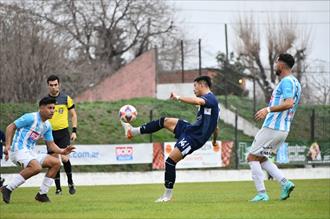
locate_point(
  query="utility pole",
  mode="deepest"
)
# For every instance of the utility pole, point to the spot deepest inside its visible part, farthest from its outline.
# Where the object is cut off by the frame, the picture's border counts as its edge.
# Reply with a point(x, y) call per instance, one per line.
point(226, 35)
point(226, 62)
point(236, 140)
point(254, 93)
point(182, 63)
point(200, 57)
point(313, 125)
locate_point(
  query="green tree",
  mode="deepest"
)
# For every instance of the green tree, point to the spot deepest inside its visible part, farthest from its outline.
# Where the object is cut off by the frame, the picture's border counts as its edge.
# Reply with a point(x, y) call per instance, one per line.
point(229, 79)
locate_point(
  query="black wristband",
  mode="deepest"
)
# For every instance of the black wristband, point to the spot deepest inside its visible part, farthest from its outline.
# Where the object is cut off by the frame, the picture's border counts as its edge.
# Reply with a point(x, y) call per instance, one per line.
point(74, 129)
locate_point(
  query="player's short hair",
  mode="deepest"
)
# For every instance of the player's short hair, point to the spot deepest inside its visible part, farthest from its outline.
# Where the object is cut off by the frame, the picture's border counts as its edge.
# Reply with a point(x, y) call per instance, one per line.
point(53, 78)
point(205, 79)
point(47, 100)
point(287, 59)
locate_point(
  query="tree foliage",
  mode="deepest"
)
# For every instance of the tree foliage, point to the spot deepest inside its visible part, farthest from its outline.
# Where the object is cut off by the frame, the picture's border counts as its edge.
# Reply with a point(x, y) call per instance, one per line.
point(229, 80)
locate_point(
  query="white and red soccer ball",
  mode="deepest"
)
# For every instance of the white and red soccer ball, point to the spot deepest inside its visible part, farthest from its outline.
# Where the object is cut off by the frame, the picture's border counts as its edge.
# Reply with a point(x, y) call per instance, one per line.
point(127, 113)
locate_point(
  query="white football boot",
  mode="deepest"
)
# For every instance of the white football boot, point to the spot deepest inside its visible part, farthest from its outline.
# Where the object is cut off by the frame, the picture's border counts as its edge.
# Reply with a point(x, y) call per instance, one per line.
point(128, 129)
point(167, 196)
point(163, 198)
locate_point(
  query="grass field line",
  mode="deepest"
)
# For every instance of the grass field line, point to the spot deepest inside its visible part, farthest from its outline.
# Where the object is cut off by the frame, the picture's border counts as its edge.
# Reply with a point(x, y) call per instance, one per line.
point(151, 177)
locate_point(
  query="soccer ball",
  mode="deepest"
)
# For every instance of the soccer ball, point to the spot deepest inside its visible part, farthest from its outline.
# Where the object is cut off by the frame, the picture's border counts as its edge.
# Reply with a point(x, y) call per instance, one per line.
point(127, 113)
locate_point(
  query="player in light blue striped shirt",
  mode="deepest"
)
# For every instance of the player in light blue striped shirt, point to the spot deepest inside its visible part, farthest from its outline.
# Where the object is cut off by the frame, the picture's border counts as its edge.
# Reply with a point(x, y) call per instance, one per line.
point(26, 131)
point(279, 114)
point(30, 128)
point(287, 90)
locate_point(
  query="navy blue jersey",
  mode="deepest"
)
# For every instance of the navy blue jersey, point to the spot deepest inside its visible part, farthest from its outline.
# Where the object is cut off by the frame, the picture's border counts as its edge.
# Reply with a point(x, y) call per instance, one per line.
point(206, 121)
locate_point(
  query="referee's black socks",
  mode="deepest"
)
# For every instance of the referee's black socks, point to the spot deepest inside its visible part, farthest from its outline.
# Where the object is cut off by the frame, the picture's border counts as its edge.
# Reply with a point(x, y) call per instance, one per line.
point(68, 171)
point(58, 181)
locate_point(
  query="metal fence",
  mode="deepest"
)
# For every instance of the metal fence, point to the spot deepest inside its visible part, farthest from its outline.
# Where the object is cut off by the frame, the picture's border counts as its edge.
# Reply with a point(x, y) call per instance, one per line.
point(308, 141)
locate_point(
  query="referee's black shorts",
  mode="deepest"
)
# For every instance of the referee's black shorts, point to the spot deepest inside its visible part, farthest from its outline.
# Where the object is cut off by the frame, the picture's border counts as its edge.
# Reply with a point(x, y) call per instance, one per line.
point(61, 139)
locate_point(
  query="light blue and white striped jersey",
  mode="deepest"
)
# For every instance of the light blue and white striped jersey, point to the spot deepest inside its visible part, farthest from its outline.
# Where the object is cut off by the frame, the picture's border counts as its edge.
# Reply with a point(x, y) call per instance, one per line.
point(30, 128)
point(289, 87)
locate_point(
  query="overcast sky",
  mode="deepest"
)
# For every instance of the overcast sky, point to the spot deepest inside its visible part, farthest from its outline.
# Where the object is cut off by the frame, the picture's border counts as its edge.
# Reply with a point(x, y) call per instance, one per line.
point(205, 19)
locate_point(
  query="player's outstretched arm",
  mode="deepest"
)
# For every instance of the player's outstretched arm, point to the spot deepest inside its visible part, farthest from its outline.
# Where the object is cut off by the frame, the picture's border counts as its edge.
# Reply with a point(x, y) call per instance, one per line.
point(215, 136)
point(189, 100)
point(57, 150)
point(10, 130)
point(287, 104)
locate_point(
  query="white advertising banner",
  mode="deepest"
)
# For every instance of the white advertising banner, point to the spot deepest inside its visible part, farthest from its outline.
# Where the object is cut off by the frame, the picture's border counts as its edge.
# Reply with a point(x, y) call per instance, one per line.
point(104, 154)
point(206, 156)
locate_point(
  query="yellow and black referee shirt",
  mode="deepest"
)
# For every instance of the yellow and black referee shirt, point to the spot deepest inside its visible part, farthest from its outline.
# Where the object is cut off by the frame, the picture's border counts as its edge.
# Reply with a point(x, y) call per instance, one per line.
point(60, 118)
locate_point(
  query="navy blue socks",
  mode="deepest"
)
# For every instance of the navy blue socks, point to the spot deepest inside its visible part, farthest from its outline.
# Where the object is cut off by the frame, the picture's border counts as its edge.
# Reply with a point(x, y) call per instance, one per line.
point(152, 126)
point(169, 173)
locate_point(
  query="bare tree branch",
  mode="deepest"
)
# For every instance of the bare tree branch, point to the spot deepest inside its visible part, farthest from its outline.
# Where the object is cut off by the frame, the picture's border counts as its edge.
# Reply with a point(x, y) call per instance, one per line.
point(281, 38)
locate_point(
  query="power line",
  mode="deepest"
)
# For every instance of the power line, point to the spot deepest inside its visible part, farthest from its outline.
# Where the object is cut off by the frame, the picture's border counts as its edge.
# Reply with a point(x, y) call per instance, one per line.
point(255, 11)
point(312, 1)
point(256, 23)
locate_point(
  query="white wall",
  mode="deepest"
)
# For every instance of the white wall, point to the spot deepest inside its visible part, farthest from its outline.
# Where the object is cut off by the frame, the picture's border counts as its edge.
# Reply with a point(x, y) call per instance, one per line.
point(243, 125)
point(183, 89)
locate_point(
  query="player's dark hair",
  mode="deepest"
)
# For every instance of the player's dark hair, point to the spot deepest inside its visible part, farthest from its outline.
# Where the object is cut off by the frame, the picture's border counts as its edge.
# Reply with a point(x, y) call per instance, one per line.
point(53, 78)
point(47, 100)
point(287, 59)
point(205, 79)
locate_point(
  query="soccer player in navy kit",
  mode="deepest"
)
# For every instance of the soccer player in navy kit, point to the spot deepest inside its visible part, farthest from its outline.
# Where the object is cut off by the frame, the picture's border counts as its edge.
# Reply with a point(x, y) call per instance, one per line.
point(190, 137)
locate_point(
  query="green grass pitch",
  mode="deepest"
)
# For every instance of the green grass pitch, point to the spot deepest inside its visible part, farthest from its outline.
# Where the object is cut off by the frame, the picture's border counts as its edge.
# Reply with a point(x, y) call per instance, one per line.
point(310, 199)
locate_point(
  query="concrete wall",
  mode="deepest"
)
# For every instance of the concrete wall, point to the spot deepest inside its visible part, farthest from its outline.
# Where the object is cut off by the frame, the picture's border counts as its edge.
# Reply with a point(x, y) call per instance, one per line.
point(136, 79)
point(243, 125)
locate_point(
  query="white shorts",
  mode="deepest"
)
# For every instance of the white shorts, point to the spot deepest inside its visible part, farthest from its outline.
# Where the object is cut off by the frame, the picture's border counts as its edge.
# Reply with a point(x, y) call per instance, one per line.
point(22, 158)
point(267, 141)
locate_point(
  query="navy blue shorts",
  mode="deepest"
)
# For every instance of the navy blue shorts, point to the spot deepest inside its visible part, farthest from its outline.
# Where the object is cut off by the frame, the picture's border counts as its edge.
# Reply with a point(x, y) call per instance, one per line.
point(184, 142)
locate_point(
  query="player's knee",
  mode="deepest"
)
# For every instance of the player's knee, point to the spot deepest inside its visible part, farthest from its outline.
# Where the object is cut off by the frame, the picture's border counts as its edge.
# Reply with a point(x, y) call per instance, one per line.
point(166, 121)
point(56, 164)
point(170, 163)
point(36, 169)
point(169, 123)
point(64, 158)
point(249, 158)
point(252, 157)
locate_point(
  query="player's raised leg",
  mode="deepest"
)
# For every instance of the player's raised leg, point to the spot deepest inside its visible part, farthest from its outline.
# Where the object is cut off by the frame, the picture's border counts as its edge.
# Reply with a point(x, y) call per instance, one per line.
point(150, 127)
